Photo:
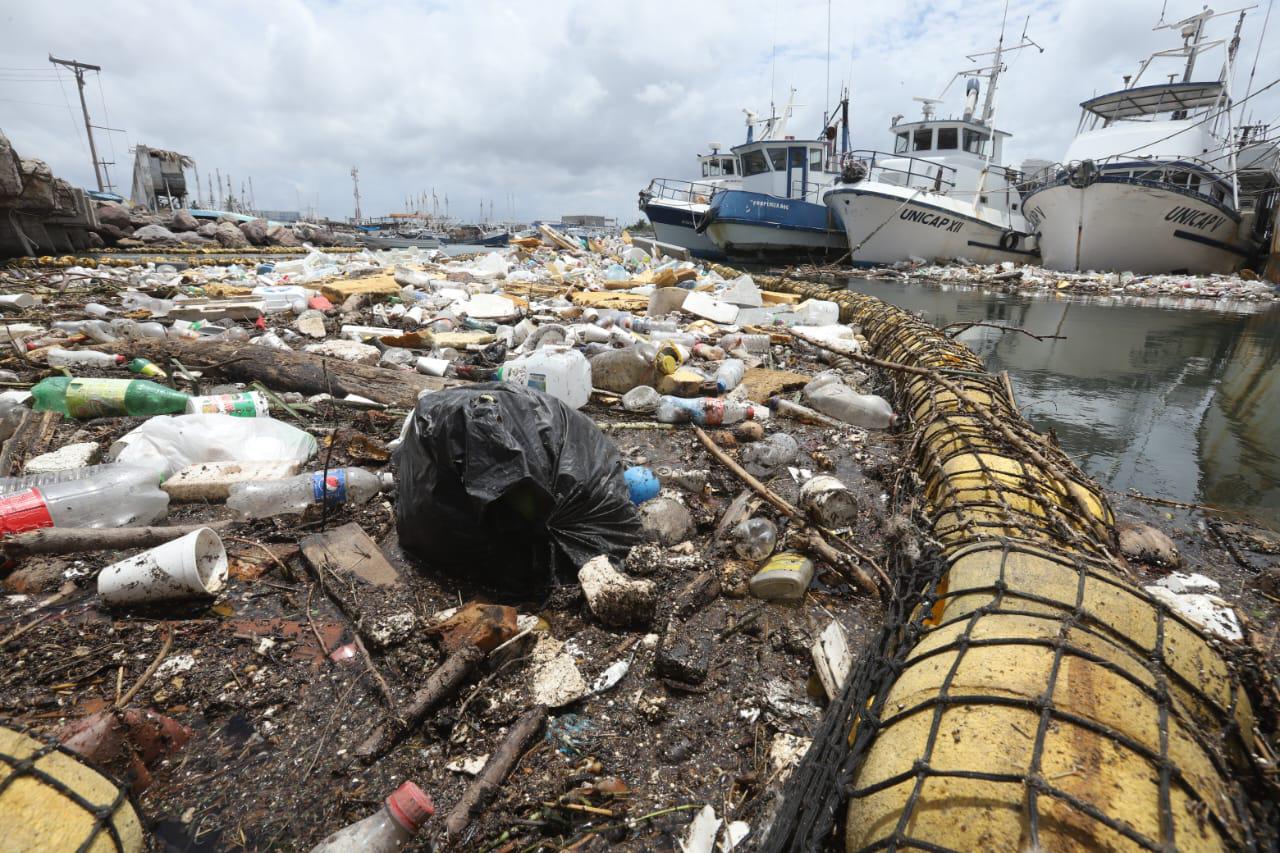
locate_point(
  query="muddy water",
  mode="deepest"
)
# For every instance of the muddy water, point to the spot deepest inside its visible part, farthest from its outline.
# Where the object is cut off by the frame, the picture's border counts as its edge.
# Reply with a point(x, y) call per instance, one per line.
point(1175, 402)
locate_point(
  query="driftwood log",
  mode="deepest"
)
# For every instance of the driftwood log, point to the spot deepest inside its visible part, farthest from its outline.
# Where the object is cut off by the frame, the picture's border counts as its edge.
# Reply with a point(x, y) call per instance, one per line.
point(287, 371)
point(79, 540)
point(486, 785)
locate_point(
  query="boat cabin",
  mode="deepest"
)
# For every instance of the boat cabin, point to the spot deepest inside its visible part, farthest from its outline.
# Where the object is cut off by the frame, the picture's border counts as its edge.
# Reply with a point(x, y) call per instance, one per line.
point(717, 165)
point(787, 168)
point(942, 140)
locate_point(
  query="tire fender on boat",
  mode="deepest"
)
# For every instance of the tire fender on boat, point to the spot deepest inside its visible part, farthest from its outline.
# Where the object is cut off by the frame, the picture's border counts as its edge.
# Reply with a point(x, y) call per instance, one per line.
point(1009, 240)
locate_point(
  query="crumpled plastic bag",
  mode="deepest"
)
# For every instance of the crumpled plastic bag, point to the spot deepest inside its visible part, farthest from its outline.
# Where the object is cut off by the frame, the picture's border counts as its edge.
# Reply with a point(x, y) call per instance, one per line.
point(169, 443)
point(508, 485)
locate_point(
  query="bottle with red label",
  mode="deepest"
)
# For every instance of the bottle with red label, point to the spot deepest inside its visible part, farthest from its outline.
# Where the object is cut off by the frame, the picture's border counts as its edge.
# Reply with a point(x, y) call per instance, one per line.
point(96, 496)
point(388, 829)
point(708, 411)
point(335, 487)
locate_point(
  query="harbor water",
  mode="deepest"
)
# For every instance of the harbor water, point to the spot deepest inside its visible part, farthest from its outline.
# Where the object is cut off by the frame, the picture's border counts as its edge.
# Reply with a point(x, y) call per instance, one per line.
point(1175, 402)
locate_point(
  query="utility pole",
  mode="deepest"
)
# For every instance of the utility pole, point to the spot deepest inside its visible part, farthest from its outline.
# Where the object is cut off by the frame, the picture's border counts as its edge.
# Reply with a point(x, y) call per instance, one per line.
point(78, 68)
point(253, 203)
point(355, 190)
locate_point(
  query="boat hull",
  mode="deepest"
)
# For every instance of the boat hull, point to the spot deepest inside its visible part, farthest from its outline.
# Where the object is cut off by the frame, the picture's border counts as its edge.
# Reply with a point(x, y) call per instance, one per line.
point(400, 242)
point(886, 224)
point(747, 223)
point(1121, 226)
point(676, 225)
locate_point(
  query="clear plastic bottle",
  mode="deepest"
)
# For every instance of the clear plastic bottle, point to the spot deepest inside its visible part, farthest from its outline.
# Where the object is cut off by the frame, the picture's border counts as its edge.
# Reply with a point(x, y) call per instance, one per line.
point(708, 411)
point(729, 374)
point(751, 343)
point(562, 372)
point(818, 312)
point(837, 400)
point(686, 339)
point(94, 309)
point(621, 370)
point(134, 331)
point(387, 830)
point(98, 398)
point(768, 455)
point(81, 358)
point(98, 330)
point(642, 398)
point(96, 496)
point(754, 538)
point(134, 301)
point(277, 497)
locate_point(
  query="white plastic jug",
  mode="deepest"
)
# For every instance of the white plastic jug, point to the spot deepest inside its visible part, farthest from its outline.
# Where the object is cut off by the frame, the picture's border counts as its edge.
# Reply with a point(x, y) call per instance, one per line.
point(562, 372)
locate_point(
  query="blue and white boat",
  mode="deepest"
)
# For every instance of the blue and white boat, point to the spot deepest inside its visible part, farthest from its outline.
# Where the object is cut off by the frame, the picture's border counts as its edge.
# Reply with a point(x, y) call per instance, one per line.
point(778, 208)
point(675, 207)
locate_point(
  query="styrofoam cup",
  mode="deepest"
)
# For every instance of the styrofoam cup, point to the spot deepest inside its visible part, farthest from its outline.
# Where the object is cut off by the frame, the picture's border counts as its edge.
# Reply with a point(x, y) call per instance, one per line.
point(190, 566)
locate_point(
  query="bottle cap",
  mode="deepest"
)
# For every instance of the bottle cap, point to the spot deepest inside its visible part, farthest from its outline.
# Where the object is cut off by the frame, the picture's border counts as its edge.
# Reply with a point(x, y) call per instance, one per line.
point(410, 806)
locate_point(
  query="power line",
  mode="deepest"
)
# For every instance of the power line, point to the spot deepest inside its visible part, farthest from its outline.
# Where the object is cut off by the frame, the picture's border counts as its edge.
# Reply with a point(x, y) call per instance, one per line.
point(75, 128)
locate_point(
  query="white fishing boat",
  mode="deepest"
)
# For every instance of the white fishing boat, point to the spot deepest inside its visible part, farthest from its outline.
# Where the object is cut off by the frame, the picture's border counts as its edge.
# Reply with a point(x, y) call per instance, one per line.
point(675, 206)
point(940, 195)
point(1149, 184)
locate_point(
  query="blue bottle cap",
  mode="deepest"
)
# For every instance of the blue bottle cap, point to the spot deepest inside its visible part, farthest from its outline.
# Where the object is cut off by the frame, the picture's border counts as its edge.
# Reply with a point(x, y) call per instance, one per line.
point(642, 484)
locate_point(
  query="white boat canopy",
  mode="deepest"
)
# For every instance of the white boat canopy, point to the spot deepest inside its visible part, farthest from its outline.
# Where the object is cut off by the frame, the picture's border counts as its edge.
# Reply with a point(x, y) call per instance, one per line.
point(1154, 100)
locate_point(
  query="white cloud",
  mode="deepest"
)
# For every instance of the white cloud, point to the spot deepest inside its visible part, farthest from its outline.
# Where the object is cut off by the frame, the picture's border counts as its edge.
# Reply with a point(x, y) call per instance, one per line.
point(566, 105)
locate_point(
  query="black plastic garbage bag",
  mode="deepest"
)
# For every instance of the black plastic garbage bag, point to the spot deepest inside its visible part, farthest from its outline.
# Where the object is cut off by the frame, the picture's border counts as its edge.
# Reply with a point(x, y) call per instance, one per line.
point(507, 485)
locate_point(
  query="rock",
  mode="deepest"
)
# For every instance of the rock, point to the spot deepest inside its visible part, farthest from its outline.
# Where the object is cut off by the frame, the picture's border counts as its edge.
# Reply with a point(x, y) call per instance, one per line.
point(112, 233)
point(1144, 543)
point(311, 322)
point(683, 657)
point(93, 240)
point(182, 220)
point(10, 170)
point(140, 216)
point(229, 236)
point(255, 232)
point(209, 229)
point(155, 234)
point(63, 459)
point(192, 238)
point(346, 350)
point(344, 239)
point(556, 679)
point(749, 431)
point(282, 235)
point(115, 215)
point(665, 519)
point(615, 599)
point(322, 237)
point(37, 186)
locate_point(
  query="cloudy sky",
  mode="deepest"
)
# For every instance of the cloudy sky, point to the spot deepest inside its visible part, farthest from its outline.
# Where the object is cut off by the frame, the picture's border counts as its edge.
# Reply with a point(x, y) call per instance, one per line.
point(547, 107)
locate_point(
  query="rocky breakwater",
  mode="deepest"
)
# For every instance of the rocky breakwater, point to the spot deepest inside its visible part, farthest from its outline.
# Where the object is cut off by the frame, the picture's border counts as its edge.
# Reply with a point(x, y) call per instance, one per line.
point(41, 214)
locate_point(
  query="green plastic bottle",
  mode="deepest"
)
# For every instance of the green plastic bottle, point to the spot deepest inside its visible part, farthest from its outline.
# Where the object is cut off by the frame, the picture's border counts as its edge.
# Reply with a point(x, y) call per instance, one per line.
point(104, 398)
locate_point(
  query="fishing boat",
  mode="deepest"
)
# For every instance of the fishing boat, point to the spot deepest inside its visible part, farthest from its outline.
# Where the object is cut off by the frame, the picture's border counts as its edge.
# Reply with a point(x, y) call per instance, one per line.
point(777, 210)
point(674, 207)
point(1149, 184)
point(939, 195)
point(478, 235)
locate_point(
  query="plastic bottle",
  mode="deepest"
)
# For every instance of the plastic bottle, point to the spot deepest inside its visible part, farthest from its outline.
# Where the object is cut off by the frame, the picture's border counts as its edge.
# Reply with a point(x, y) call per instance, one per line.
point(646, 326)
point(642, 398)
point(98, 398)
point(98, 330)
point(621, 370)
point(96, 496)
point(785, 576)
point(286, 297)
point(841, 402)
point(246, 404)
point(754, 538)
point(707, 352)
point(817, 312)
point(134, 301)
point(189, 330)
point(562, 372)
point(671, 355)
point(685, 339)
point(81, 358)
point(94, 309)
point(729, 374)
point(750, 343)
point(277, 497)
point(766, 456)
point(707, 411)
point(146, 367)
point(388, 829)
point(126, 328)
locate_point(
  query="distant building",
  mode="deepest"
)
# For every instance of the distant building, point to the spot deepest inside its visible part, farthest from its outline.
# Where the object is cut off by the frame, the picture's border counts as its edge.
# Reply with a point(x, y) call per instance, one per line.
point(589, 221)
point(281, 215)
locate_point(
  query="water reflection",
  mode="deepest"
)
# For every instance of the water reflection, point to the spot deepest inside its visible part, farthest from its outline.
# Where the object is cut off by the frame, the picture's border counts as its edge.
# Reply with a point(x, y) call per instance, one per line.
point(1173, 402)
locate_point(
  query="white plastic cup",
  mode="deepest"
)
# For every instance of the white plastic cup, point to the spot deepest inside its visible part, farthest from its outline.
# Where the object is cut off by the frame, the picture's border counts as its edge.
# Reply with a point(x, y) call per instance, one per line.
point(190, 566)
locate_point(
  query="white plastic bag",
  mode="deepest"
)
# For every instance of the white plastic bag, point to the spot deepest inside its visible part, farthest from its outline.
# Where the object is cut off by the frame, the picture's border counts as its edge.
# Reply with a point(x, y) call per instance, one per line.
point(169, 443)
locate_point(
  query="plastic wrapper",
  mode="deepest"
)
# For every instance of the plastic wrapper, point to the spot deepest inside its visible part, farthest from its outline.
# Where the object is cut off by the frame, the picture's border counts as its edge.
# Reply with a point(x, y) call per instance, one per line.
point(169, 444)
point(509, 486)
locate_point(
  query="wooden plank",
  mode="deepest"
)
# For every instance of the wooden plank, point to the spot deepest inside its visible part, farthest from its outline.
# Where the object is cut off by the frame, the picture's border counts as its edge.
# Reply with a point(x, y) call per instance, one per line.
point(354, 572)
point(772, 297)
point(608, 299)
point(337, 290)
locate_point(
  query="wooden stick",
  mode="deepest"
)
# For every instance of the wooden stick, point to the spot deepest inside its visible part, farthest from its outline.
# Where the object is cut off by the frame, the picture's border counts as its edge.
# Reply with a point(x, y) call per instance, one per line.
point(841, 563)
point(151, 670)
point(77, 540)
point(440, 685)
point(483, 789)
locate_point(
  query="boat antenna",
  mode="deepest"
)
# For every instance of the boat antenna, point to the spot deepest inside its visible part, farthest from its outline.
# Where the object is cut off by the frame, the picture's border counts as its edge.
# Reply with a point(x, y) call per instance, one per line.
point(988, 106)
point(1261, 38)
point(773, 63)
point(826, 99)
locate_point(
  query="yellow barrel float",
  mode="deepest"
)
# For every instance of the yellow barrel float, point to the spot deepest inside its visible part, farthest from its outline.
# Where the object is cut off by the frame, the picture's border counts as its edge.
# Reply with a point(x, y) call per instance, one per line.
point(1040, 700)
point(51, 800)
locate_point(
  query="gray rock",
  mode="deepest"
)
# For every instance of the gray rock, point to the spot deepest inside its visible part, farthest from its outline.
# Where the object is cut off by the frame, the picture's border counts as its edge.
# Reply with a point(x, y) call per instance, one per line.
point(666, 520)
point(344, 239)
point(112, 233)
point(322, 237)
point(93, 240)
point(208, 229)
point(182, 220)
point(37, 186)
point(10, 170)
point(194, 239)
point(155, 234)
point(229, 236)
point(139, 216)
point(255, 232)
point(282, 235)
point(115, 215)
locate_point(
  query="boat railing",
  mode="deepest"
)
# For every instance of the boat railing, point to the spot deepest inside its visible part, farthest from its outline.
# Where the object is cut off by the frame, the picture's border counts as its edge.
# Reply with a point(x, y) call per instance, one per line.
point(1186, 174)
point(918, 172)
point(674, 189)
